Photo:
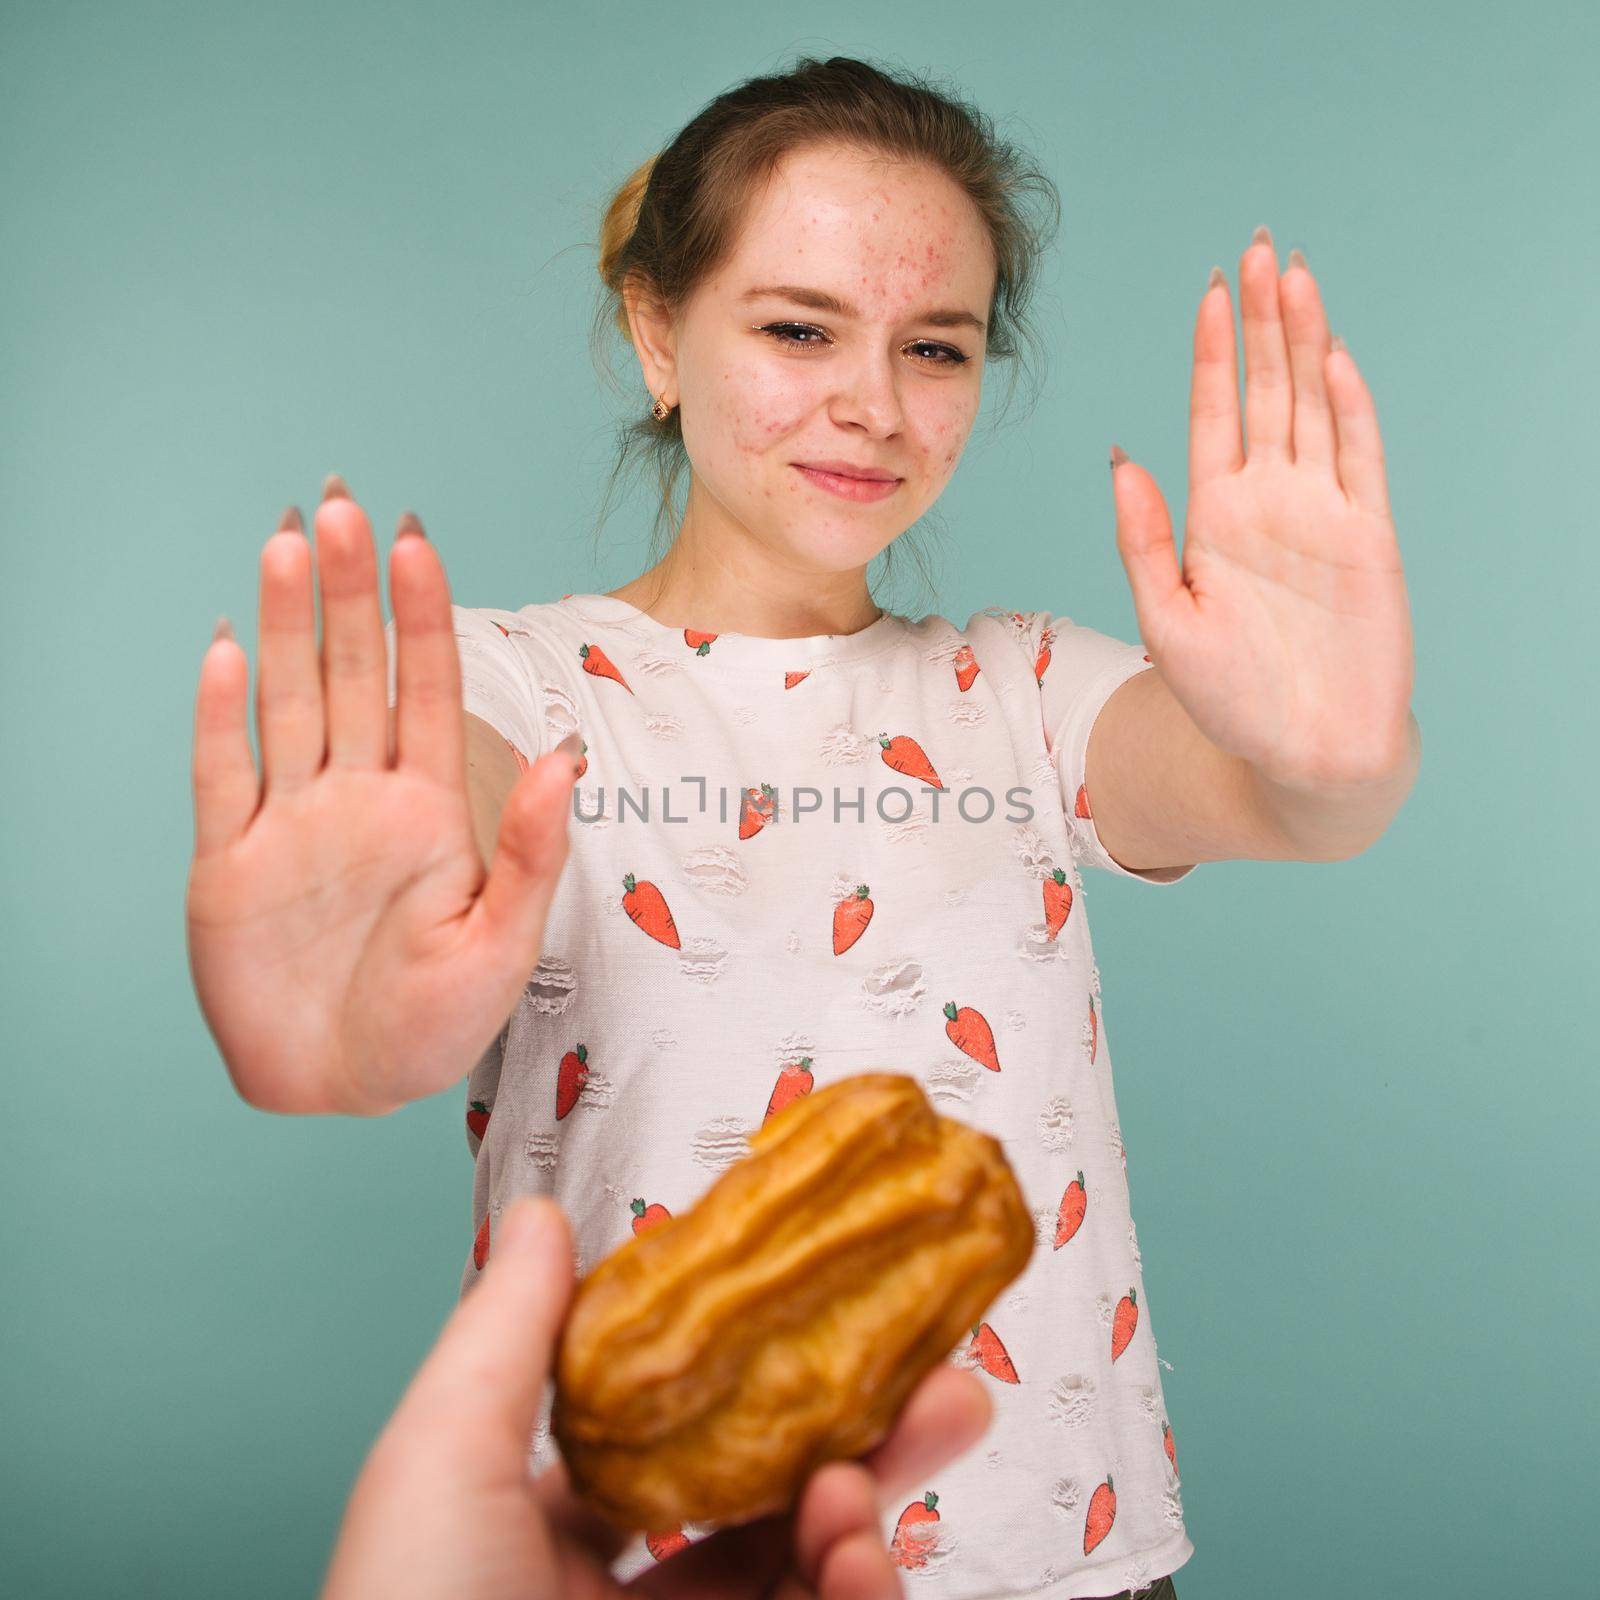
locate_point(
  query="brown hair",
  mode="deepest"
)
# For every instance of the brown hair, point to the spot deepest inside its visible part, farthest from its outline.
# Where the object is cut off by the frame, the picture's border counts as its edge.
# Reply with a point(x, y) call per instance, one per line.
point(675, 219)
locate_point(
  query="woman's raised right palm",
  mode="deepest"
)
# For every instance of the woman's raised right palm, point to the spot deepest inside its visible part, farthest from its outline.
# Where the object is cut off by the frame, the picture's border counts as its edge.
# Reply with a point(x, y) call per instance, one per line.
point(347, 947)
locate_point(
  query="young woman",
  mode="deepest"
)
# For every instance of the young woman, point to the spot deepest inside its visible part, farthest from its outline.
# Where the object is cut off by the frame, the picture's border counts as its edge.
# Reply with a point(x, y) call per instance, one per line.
point(813, 836)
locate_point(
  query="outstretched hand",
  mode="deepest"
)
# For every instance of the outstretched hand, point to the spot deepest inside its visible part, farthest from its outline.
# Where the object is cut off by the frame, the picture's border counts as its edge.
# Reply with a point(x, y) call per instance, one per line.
point(1285, 633)
point(445, 1505)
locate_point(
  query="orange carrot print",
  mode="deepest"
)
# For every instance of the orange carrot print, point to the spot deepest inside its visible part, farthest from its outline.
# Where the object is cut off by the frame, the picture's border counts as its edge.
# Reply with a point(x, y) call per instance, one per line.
point(966, 665)
point(571, 1076)
point(477, 1119)
point(790, 679)
point(904, 754)
point(1169, 1444)
point(1094, 1031)
point(1102, 1513)
point(647, 908)
point(1081, 804)
point(667, 1543)
point(598, 664)
point(583, 761)
point(699, 642)
point(850, 918)
point(969, 1031)
point(480, 1245)
point(793, 1081)
point(1042, 660)
point(757, 807)
point(991, 1354)
point(647, 1216)
point(1124, 1322)
point(914, 1533)
point(1073, 1205)
point(1057, 901)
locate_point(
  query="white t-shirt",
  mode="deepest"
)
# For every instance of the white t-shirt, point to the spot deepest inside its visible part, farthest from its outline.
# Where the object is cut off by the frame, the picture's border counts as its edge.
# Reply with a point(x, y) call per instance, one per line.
point(705, 959)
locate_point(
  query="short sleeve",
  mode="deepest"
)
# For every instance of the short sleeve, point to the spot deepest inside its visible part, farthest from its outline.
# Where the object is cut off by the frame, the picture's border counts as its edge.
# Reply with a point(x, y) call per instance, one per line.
point(499, 683)
point(1077, 670)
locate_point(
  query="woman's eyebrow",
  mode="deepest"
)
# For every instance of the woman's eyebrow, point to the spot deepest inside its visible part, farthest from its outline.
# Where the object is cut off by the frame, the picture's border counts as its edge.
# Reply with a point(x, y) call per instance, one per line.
point(821, 300)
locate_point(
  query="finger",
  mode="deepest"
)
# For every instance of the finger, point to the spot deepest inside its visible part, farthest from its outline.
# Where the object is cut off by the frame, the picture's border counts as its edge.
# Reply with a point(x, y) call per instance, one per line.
point(1215, 444)
point(1268, 396)
point(490, 1365)
point(430, 724)
point(531, 848)
point(288, 678)
point(840, 1501)
point(947, 1413)
point(859, 1568)
point(1307, 328)
point(222, 769)
point(750, 1558)
point(1360, 452)
point(579, 1522)
point(354, 666)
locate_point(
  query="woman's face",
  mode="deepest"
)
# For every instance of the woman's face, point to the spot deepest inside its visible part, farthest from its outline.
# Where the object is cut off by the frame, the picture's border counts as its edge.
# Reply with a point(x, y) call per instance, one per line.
point(888, 382)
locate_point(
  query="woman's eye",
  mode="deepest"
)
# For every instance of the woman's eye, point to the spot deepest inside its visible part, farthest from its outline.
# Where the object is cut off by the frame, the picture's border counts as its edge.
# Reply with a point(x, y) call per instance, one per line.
point(785, 332)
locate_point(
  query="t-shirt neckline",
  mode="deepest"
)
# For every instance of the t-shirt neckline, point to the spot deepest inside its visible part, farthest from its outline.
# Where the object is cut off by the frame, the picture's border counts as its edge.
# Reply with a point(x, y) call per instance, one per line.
point(738, 651)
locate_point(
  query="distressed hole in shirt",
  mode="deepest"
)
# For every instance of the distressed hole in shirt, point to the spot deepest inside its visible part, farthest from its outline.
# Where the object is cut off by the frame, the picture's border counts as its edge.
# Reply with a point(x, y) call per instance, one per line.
point(1016, 1021)
point(598, 1094)
point(1105, 1308)
point(1017, 1300)
point(1035, 944)
point(895, 988)
point(1045, 1222)
point(1133, 1244)
point(1172, 1506)
point(1065, 1496)
point(560, 712)
point(793, 943)
point(721, 1142)
point(926, 1547)
point(716, 869)
point(1150, 1404)
point(702, 959)
point(1030, 848)
point(663, 1039)
point(953, 1080)
point(541, 1149)
point(842, 746)
point(1055, 1123)
point(1114, 1142)
point(956, 896)
point(655, 663)
point(550, 987)
point(913, 830)
point(1073, 1399)
point(744, 715)
point(1044, 774)
point(590, 809)
point(991, 1458)
point(664, 725)
point(967, 713)
point(1094, 979)
point(884, 686)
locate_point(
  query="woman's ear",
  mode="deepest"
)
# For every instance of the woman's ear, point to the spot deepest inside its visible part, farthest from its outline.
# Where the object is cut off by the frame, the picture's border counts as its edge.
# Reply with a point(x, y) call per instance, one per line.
point(654, 338)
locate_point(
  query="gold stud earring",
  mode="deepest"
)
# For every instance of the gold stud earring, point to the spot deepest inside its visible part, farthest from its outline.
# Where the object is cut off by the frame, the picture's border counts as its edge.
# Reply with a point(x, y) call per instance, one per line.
point(661, 411)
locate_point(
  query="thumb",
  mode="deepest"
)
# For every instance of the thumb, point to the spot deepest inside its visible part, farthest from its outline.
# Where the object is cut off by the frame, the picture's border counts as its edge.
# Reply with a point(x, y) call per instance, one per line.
point(1144, 541)
point(530, 851)
point(495, 1352)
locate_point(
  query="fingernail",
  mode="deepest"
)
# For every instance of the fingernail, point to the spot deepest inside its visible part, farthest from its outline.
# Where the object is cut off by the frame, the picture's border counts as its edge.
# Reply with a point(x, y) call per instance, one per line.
point(572, 746)
point(1338, 343)
point(1262, 235)
point(1118, 456)
point(290, 521)
point(334, 488)
point(410, 523)
point(223, 630)
point(1216, 277)
point(1297, 258)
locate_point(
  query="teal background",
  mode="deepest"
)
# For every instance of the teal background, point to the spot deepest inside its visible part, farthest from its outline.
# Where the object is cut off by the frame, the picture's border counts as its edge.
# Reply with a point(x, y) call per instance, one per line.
point(244, 246)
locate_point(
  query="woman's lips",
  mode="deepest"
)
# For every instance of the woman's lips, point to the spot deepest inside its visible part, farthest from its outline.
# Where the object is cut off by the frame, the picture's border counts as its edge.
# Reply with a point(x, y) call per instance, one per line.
point(849, 488)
